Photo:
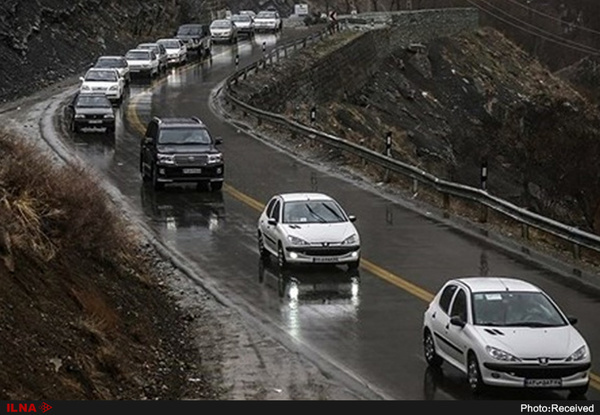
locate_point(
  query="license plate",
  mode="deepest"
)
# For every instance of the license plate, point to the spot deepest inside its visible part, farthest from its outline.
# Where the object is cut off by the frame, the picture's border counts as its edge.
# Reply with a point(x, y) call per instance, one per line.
point(95, 121)
point(325, 259)
point(543, 383)
point(192, 171)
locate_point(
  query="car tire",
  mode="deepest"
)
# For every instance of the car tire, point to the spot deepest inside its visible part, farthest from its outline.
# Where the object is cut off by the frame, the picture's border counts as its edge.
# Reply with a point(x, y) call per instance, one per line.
point(579, 391)
point(354, 265)
point(476, 384)
point(216, 186)
point(73, 127)
point(262, 251)
point(156, 185)
point(431, 356)
point(281, 262)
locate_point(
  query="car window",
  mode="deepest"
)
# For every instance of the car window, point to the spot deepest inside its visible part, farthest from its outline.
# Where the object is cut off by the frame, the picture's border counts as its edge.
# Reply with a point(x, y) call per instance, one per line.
point(313, 211)
point(184, 136)
point(92, 101)
point(459, 305)
point(138, 55)
point(446, 297)
point(105, 76)
point(270, 207)
point(275, 214)
point(527, 309)
point(170, 44)
point(220, 24)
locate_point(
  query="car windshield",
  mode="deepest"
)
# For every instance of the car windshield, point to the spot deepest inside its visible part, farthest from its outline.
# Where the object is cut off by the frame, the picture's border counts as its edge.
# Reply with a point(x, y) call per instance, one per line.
point(189, 31)
point(313, 211)
point(240, 18)
point(138, 56)
point(111, 63)
point(171, 44)
point(148, 46)
point(220, 24)
point(515, 309)
point(103, 76)
point(92, 101)
point(184, 136)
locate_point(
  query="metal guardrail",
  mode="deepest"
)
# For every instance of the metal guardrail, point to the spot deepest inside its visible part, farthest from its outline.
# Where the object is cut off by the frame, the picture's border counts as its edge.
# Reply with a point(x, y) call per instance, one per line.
point(576, 237)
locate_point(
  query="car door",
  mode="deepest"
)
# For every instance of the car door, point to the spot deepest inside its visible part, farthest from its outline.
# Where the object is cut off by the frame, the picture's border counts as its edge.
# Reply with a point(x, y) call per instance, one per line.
point(272, 229)
point(263, 221)
point(440, 319)
point(146, 152)
point(457, 340)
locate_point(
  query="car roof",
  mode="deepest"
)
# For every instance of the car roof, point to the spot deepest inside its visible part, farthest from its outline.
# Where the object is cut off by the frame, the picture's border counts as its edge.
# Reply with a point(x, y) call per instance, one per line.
point(169, 39)
point(303, 196)
point(94, 69)
point(111, 57)
point(499, 283)
point(193, 25)
point(147, 44)
point(139, 50)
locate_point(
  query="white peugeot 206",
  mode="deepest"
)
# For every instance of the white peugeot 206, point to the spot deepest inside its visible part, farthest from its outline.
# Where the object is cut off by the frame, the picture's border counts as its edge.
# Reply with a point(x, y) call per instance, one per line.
point(505, 332)
point(308, 228)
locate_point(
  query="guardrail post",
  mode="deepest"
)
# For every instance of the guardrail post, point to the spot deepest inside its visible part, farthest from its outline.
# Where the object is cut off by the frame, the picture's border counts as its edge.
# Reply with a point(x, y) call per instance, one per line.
point(388, 144)
point(484, 214)
point(415, 187)
point(237, 61)
point(484, 172)
point(446, 204)
point(285, 53)
point(576, 252)
point(264, 48)
point(313, 115)
point(525, 231)
point(245, 73)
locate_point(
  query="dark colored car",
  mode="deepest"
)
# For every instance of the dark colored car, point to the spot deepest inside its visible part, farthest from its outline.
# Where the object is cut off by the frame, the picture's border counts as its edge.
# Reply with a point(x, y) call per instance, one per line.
point(90, 110)
point(196, 37)
point(181, 150)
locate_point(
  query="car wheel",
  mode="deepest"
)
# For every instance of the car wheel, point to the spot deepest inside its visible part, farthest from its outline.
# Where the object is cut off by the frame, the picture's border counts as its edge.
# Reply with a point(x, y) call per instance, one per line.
point(474, 375)
point(431, 356)
point(216, 186)
point(281, 257)
point(155, 183)
point(579, 391)
point(262, 251)
point(73, 127)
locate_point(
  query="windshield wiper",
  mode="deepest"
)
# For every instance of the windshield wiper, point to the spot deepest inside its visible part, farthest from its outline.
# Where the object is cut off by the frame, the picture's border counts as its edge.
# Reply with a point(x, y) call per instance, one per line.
point(329, 208)
point(530, 324)
point(316, 215)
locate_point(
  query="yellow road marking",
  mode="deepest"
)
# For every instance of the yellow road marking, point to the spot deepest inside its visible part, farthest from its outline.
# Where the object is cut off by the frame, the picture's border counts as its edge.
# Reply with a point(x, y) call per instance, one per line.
point(258, 206)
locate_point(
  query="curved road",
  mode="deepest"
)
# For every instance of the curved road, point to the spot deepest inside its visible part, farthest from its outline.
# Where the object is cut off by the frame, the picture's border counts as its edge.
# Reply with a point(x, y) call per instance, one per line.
point(366, 323)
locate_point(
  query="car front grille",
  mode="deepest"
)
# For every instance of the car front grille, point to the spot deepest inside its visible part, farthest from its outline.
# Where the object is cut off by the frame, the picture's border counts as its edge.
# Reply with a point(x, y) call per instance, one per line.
point(99, 88)
point(191, 159)
point(539, 372)
point(323, 250)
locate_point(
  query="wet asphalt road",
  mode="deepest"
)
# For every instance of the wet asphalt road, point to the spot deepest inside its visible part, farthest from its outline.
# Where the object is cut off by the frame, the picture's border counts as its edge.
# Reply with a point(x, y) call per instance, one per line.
point(368, 323)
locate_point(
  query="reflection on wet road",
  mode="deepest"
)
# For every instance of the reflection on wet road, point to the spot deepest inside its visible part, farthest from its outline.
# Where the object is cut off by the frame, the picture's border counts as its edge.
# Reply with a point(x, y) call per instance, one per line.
point(367, 322)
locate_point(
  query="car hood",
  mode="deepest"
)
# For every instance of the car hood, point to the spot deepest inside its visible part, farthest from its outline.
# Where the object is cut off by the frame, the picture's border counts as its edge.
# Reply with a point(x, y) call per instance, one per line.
point(186, 149)
point(533, 342)
point(321, 232)
point(243, 24)
point(172, 51)
point(138, 62)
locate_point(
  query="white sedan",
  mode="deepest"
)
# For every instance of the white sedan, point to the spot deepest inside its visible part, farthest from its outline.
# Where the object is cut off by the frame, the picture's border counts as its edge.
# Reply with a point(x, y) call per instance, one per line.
point(107, 80)
point(309, 228)
point(505, 332)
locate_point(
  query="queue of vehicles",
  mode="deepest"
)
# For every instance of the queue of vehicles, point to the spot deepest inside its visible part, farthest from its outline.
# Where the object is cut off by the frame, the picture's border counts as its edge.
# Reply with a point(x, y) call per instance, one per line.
point(499, 331)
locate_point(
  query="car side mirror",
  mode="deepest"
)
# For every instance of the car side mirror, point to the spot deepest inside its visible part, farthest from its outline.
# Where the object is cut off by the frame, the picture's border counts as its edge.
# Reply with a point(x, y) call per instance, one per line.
point(81, 78)
point(272, 221)
point(457, 321)
point(352, 218)
point(572, 320)
point(148, 140)
point(218, 140)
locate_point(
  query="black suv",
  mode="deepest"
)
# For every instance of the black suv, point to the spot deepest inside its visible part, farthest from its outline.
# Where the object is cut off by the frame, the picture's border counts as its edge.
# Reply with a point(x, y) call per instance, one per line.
point(181, 150)
point(90, 110)
point(196, 37)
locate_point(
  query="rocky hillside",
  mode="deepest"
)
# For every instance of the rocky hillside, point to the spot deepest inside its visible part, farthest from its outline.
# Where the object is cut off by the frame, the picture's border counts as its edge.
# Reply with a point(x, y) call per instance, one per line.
point(460, 101)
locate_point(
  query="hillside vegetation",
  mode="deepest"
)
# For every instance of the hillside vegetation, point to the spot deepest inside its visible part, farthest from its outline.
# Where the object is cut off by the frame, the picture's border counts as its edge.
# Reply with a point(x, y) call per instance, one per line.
point(82, 313)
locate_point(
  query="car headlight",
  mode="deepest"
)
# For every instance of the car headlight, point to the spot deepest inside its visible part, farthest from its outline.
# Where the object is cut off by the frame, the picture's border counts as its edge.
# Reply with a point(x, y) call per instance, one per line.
point(166, 159)
point(579, 355)
point(294, 240)
point(110, 116)
point(499, 354)
point(85, 88)
point(351, 240)
point(79, 116)
point(215, 158)
point(113, 88)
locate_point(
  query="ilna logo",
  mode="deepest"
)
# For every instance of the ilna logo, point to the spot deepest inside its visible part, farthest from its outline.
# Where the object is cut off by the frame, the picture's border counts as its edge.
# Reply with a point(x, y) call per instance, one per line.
point(27, 407)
